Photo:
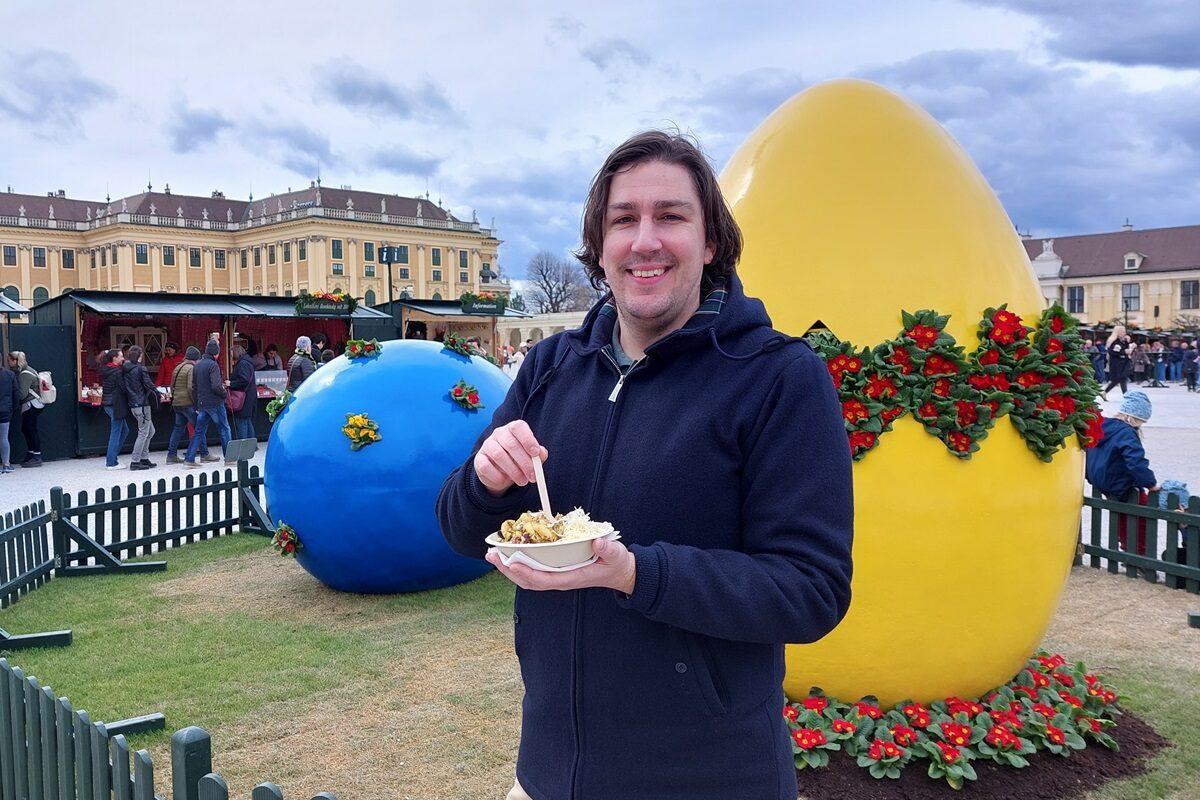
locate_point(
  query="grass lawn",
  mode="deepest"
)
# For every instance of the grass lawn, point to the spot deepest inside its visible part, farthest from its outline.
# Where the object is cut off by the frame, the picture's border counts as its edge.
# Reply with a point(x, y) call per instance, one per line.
point(418, 695)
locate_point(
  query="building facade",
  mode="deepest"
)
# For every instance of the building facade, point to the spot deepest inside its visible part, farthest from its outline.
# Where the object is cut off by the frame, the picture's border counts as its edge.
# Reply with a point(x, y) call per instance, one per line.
point(315, 239)
point(1141, 278)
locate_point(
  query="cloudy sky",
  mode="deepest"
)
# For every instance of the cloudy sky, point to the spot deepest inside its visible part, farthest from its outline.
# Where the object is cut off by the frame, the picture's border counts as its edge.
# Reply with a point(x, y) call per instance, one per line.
point(1080, 113)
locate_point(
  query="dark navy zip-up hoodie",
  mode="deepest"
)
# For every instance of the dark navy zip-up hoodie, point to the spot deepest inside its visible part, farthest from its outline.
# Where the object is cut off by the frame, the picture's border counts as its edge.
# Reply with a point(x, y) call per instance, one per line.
point(722, 460)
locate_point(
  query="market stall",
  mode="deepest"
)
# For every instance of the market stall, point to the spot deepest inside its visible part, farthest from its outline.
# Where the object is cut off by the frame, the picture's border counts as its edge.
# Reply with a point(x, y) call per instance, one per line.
point(433, 319)
point(103, 320)
point(8, 308)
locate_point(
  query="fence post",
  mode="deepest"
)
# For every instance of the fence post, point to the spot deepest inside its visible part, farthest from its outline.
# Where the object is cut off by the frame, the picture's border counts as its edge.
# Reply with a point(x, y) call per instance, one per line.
point(58, 526)
point(191, 760)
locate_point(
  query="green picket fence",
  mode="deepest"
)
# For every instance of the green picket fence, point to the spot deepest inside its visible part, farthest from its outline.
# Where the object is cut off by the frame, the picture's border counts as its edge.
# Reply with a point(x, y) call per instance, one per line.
point(49, 751)
point(1145, 539)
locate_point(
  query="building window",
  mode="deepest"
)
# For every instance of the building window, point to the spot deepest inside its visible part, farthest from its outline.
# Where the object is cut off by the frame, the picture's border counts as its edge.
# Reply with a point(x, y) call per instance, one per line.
point(39, 257)
point(104, 256)
point(114, 255)
point(401, 254)
point(437, 257)
point(368, 251)
point(369, 298)
point(302, 250)
point(404, 273)
point(337, 269)
point(194, 256)
point(40, 295)
point(270, 254)
point(12, 293)
point(168, 255)
point(1189, 295)
point(68, 259)
point(287, 252)
point(463, 277)
point(336, 244)
point(1131, 297)
point(219, 259)
point(92, 257)
point(10, 255)
point(1130, 262)
point(1075, 299)
point(141, 254)
point(462, 259)
point(437, 275)
point(258, 256)
point(369, 270)
point(437, 296)
point(244, 260)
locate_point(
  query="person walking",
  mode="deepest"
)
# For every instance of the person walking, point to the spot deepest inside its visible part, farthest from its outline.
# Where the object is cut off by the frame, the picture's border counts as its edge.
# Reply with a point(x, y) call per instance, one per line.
point(209, 392)
point(302, 364)
point(139, 388)
point(183, 403)
point(1117, 346)
point(115, 403)
point(655, 671)
point(241, 379)
point(10, 403)
point(30, 387)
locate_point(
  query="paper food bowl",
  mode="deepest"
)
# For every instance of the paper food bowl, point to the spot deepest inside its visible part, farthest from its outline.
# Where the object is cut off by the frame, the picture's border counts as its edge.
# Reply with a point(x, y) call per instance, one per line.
point(549, 556)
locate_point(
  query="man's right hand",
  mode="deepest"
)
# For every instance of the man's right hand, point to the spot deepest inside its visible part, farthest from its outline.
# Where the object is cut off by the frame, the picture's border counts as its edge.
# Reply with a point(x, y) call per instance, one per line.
point(506, 458)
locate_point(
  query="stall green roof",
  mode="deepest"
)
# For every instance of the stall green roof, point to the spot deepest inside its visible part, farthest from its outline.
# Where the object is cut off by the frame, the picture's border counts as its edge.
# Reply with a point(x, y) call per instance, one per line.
point(8, 306)
point(169, 304)
point(443, 308)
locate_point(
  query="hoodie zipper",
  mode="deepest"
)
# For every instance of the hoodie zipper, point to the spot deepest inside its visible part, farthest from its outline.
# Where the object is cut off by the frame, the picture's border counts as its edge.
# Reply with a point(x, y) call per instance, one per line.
point(577, 691)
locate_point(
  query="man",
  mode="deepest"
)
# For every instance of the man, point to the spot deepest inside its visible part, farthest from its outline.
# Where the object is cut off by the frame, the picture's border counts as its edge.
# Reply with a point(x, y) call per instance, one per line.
point(209, 392)
point(183, 403)
point(140, 392)
point(715, 446)
point(166, 367)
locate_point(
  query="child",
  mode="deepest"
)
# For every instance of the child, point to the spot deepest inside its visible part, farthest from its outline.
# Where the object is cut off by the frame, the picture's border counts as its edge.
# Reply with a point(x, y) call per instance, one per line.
point(1118, 466)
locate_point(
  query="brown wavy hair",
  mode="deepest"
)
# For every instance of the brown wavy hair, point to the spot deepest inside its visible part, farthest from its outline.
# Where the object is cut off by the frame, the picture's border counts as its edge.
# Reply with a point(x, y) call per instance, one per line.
point(670, 148)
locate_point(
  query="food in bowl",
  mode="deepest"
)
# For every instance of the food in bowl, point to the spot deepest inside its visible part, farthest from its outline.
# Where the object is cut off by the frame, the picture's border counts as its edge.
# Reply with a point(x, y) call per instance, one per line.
point(559, 543)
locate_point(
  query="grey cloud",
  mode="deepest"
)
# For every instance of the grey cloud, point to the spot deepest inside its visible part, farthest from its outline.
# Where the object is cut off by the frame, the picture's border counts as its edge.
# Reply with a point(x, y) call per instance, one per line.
point(565, 27)
point(352, 86)
point(191, 128)
point(1151, 32)
point(726, 111)
point(48, 89)
point(615, 53)
point(1065, 154)
point(291, 145)
point(401, 161)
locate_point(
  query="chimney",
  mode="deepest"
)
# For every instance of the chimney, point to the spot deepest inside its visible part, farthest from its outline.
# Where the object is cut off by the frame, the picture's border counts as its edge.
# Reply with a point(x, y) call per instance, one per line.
point(62, 192)
point(218, 194)
point(1127, 227)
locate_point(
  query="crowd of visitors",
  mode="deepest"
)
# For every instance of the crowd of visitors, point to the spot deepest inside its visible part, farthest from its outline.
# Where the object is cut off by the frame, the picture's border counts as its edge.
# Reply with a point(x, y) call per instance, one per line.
point(1119, 361)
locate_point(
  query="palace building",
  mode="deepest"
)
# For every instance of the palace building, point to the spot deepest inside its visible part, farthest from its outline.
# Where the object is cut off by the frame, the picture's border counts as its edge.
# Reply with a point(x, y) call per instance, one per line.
point(315, 239)
point(1143, 278)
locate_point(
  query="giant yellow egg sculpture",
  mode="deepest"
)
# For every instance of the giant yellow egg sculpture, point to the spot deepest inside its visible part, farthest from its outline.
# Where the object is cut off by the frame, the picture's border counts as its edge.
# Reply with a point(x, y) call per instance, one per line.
point(855, 204)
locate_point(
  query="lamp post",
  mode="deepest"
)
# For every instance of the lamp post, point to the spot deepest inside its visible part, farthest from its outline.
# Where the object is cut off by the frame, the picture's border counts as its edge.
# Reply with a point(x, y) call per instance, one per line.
point(385, 255)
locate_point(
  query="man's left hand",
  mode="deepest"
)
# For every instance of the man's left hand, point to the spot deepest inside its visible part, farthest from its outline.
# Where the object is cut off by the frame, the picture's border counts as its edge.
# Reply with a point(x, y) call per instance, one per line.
point(615, 568)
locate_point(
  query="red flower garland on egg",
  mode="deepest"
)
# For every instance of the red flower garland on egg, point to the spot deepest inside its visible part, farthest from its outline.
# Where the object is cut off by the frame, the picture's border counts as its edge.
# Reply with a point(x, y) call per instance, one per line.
point(1040, 378)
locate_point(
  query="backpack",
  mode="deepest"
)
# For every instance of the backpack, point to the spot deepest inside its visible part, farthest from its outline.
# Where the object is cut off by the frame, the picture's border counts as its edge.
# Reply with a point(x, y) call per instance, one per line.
point(48, 390)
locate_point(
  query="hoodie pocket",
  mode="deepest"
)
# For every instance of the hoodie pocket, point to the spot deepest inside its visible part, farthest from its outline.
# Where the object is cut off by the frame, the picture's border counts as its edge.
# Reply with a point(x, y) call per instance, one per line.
point(705, 674)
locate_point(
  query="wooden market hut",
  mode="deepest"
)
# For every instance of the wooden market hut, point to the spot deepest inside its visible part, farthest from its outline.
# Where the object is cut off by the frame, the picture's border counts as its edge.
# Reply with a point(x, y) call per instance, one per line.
point(68, 332)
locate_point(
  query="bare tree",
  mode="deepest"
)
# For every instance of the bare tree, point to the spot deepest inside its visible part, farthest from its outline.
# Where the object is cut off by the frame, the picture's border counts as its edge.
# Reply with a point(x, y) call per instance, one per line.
point(556, 284)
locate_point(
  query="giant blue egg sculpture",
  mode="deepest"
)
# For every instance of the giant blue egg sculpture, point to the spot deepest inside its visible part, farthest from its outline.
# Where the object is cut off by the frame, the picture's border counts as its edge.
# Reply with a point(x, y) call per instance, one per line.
point(365, 518)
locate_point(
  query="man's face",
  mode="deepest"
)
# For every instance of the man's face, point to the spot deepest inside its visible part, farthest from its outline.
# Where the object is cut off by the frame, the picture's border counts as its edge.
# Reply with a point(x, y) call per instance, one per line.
point(655, 246)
